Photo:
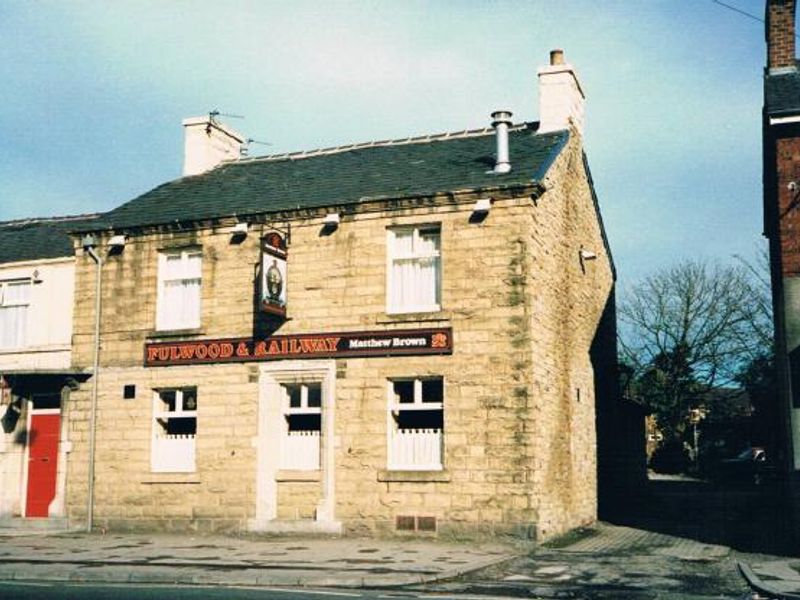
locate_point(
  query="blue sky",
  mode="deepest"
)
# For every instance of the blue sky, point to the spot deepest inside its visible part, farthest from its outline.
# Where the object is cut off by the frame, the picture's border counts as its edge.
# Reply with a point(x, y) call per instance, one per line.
point(93, 95)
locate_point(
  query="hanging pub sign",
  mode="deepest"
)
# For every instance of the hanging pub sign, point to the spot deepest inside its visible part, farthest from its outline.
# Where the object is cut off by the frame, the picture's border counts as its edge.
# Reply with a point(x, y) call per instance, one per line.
point(273, 274)
point(398, 342)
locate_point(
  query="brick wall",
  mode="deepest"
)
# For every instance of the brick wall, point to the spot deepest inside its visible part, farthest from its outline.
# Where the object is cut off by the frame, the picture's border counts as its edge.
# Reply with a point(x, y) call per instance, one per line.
point(788, 171)
point(780, 33)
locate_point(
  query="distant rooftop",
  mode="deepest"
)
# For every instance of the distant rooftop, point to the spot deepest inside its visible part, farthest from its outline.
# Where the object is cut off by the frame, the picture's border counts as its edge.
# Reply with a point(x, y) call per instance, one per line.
point(782, 92)
point(341, 175)
point(35, 239)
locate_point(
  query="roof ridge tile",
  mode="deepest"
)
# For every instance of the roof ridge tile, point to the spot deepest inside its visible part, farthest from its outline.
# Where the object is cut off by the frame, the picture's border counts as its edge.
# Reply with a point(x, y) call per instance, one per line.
point(53, 219)
point(420, 139)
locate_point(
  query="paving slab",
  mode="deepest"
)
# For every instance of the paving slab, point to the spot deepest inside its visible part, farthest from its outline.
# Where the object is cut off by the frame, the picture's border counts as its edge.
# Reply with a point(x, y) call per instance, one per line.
point(787, 570)
point(240, 560)
point(776, 578)
point(606, 538)
point(612, 562)
point(615, 561)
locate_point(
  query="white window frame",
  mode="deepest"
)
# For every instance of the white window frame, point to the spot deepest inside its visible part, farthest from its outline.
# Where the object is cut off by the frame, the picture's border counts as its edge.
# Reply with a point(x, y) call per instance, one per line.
point(423, 448)
point(164, 322)
point(173, 454)
point(21, 335)
point(300, 451)
point(416, 256)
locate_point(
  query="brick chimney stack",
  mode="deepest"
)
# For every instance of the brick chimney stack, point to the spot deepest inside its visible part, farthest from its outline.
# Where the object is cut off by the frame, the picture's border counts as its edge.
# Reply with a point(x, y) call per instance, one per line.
point(780, 35)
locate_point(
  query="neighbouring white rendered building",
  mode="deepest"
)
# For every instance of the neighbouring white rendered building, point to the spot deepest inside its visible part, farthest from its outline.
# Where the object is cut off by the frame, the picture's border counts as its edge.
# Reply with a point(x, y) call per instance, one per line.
point(37, 275)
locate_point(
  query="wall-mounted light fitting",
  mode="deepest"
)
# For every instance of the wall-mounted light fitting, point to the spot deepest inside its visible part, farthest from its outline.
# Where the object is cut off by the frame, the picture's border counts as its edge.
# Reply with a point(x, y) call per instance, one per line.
point(482, 206)
point(239, 232)
point(36, 276)
point(480, 210)
point(240, 228)
point(330, 223)
point(88, 241)
point(585, 255)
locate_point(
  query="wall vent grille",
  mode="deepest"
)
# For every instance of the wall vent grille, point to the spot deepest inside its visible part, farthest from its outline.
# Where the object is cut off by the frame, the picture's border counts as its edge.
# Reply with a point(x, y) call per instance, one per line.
point(415, 523)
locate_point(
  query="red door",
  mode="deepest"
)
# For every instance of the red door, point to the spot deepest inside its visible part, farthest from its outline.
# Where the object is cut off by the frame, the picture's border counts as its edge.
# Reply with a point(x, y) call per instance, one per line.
point(42, 462)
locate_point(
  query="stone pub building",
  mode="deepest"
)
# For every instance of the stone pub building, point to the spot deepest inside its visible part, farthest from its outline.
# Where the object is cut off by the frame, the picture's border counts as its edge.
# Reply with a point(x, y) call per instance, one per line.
point(395, 336)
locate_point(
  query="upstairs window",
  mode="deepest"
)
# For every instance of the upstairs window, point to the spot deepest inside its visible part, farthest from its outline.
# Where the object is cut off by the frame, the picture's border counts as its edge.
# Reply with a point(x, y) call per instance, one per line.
point(174, 430)
point(414, 269)
point(302, 412)
point(179, 275)
point(416, 424)
point(14, 305)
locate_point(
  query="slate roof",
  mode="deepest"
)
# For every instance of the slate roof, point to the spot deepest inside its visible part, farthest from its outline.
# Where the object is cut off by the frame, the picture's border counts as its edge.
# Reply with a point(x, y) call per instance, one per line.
point(35, 239)
point(782, 93)
point(338, 176)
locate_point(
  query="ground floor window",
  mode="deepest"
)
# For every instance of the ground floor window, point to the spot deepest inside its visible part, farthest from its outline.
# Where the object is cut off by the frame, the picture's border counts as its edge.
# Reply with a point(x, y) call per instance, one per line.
point(416, 424)
point(302, 412)
point(174, 430)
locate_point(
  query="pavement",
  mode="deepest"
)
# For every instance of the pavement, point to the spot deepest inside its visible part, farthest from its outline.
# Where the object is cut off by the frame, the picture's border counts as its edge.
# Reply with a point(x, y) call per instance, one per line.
point(238, 560)
point(602, 562)
point(613, 562)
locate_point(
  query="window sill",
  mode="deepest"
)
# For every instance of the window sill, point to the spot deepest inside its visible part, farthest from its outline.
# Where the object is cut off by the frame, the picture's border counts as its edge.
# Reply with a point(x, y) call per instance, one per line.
point(414, 476)
point(174, 333)
point(297, 475)
point(415, 317)
point(32, 349)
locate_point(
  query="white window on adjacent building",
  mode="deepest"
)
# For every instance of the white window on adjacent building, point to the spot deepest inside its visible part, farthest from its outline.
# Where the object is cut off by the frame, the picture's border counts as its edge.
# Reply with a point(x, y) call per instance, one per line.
point(414, 269)
point(416, 424)
point(179, 275)
point(302, 412)
point(14, 305)
point(174, 430)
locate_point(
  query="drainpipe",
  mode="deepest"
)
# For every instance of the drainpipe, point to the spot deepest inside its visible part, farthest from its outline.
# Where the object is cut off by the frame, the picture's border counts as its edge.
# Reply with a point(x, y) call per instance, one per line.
point(88, 247)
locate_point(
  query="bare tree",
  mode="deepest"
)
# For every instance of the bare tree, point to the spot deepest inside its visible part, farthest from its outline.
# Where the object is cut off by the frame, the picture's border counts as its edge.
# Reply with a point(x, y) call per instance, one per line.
point(690, 328)
point(759, 308)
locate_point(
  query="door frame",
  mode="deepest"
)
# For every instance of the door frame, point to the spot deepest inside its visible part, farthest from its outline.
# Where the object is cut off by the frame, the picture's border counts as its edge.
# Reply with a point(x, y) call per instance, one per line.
point(267, 444)
point(57, 505)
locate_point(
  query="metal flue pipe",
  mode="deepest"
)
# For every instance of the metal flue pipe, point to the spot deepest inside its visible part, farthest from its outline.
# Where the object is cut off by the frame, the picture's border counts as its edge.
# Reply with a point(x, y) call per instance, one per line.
point(501, 120)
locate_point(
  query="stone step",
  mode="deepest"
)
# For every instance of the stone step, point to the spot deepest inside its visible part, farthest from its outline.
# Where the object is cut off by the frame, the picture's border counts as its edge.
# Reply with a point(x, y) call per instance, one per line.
point(33, 524)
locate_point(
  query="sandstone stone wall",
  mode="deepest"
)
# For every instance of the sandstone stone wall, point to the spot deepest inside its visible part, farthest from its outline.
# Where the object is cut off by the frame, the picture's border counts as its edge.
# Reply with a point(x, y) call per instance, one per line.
point(564, 327)
point(127, 494)
point(518, 407)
